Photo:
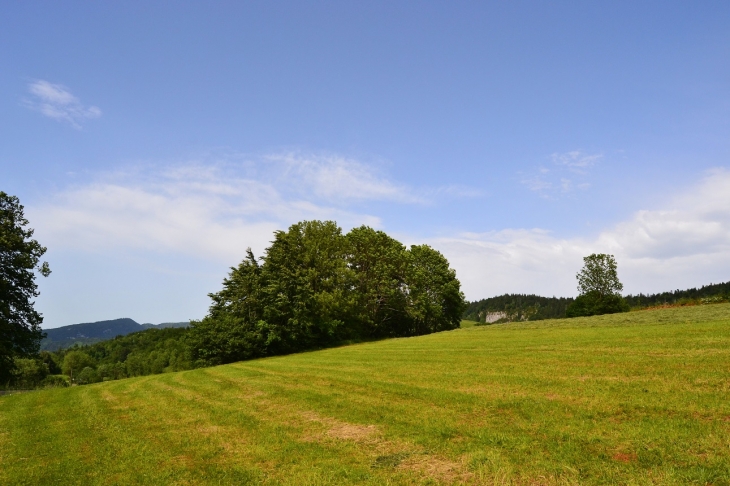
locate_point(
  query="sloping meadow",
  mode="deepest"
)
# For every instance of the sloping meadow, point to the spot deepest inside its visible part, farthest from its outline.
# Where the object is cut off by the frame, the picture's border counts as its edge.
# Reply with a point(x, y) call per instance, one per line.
point(634, 398)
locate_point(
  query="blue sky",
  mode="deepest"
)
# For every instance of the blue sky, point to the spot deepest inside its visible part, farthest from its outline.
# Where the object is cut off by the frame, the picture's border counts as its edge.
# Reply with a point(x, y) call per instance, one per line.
point(151, 143)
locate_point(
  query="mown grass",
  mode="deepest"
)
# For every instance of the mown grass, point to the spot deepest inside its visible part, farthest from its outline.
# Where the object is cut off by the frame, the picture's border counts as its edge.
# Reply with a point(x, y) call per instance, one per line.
point(636, 398)
point(465, 323)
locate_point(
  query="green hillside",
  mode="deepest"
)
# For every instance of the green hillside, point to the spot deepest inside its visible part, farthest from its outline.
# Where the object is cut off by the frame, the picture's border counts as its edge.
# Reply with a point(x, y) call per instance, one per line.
point(516, 307)
point(633, 398)
point(96, 332)
point(524, 307)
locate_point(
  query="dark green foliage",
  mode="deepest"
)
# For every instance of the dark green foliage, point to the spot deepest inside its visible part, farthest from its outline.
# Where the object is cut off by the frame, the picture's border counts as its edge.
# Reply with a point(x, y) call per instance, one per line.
point(713, 292)
point(225, 338)
point(76, 360)
point(306, 287)
point(517, 307)
point(20, 324)
point(29, 373)
point(94, 332)
point(434, 301)
point(34, 372)
point(595, 304)
point(54, 367)
point(379, 265)
point(156, 350)
point(599, 288)
point(86, 376)
point(138, 354)
point(143, 353)
point(55, 381)
point(316, 287)
point(600, 275)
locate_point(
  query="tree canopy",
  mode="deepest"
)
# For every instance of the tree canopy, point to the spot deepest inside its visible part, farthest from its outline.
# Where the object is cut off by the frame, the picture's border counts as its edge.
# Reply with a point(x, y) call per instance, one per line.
point(20, 331)
point(599, 274)
point(316, 286)
point(599, 287)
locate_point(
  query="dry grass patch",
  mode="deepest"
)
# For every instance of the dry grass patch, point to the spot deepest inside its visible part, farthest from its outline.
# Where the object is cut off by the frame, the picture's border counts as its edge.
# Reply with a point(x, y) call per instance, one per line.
point(352, 432)
point(337, 429)
point(442, 470)
point(625, 457)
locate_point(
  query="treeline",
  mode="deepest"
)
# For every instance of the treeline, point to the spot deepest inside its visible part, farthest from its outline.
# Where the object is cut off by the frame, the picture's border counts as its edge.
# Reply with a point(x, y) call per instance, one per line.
point(95, 332)
point(314, 287)
point(517, 307)
point(137, 354)
point(522, 307)
point(708, 293)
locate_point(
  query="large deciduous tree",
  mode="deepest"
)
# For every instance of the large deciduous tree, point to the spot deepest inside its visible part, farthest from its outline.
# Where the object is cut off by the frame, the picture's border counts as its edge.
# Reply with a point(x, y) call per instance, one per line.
point(599, 287)
point(315, 286)
point(75, 361)
point(435, 300)
point(307, 285)
point(599, 274)
point(20, 323)
point(379, 265)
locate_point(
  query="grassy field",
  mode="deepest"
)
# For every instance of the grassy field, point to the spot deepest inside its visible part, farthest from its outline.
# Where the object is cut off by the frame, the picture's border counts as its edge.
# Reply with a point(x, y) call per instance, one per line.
point(635, 398)
point(465, 324)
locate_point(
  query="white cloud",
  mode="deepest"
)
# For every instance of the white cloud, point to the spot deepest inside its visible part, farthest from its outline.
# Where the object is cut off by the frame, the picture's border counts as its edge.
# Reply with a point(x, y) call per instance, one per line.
point(337, 178)
point(212, 210)
point(202, 215)
point(56, 101)
point(152, 242)
point(686, 244)
point(568, 173)
point(576, 159)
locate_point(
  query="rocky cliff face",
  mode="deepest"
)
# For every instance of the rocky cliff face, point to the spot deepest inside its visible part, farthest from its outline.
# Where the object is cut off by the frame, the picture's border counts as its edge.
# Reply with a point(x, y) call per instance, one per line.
point(491, 317)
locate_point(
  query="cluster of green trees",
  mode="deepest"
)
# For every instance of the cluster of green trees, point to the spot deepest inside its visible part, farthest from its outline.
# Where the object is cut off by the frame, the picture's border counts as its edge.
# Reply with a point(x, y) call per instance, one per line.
point(138, 354)
point(20, 323)
point(599, 287)
point(704, 295)
point(142, 353)
point(313, 287)
point(518, 307)
point(600, 293)
point(34, 372)
point(316, 287)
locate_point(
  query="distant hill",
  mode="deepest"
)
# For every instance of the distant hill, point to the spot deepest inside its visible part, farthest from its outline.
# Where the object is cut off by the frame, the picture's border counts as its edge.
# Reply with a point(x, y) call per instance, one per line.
point(715, 292)
point(522, 307)
point(94, 332)
point(517, 307)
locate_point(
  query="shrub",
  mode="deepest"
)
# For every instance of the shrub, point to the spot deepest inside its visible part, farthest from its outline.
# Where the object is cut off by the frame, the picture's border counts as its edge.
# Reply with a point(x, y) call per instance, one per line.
point(75, 361)
point(29, 372)
point(594, 304)
point(55, 381)
point(87, 375)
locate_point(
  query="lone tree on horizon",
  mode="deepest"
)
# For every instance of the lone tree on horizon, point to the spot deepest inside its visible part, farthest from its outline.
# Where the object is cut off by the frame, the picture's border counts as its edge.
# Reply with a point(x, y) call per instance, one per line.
point(20, 323)
point(599, 274)
point(599, 287)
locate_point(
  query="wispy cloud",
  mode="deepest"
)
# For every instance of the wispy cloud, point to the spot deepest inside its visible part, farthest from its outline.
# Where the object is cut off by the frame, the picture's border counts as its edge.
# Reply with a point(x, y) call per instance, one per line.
point(576, 159)
point(206, 214)
point(214, 210)
point(684, 244)
point(199, 211)
point(337, 178)
point(57, 102)
point(167, 233)
point(568, 173)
